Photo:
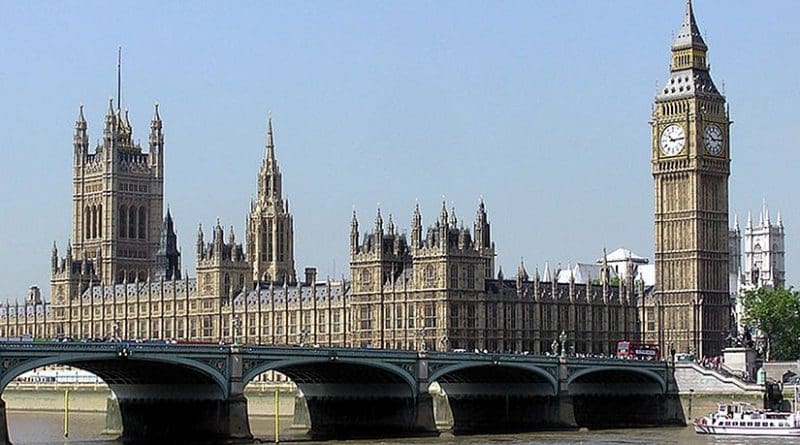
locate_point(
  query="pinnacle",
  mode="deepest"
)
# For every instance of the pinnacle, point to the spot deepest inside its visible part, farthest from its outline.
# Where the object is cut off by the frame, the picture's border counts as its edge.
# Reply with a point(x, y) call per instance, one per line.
point(688, 35)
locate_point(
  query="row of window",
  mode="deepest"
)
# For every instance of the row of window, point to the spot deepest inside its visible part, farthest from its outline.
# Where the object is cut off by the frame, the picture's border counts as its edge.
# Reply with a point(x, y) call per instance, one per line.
point(126, 187)
point(133, 222)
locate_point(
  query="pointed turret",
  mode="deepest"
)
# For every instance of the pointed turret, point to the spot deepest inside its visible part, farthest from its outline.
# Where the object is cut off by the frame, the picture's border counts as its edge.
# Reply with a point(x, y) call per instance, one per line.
point(416, 228)
point(453, 218)
point(54, 258)
point(390, 226)
point(354, 233)
point(736, 222)
point(168, 258)
point(200, 242)
point(443, 215)
point(482, 235)
point(156, 138)
point(81, 138)
point(269, 149)
point(522, 274)
point(749, 220)
point(688, 35)
point(780, 220)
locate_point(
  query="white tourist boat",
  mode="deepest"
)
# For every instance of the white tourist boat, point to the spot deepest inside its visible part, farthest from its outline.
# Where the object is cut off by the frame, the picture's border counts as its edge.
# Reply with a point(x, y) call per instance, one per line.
point(742, 419)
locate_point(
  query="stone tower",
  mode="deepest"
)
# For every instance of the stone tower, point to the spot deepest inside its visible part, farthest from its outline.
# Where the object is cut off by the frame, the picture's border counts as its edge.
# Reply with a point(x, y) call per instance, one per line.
point(691, 165)
point(117, 197)
point(764, 263)
point(222, 269)
point(168, 257)
point(270, 231)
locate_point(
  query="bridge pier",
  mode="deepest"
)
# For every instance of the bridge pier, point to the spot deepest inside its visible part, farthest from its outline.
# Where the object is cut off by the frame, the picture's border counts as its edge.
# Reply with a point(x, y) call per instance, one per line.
point(4, 439)
point(566, 404)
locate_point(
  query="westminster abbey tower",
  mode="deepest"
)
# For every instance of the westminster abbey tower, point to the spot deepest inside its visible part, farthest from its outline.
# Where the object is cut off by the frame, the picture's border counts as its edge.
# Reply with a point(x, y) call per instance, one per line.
point(691, 165)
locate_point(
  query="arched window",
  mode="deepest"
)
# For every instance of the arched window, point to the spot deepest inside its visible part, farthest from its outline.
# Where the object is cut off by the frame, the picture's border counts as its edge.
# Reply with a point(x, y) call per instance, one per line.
point(471, 276)
point(132, 222)
point(123, 221)
point(453, 276)
point(142, 222)
point(241, 281)
point(268, 236)
point(100, 220)
point(120, 276)
point(226, 286)
point(94, 221)
point(86, 222)
point(263, 242)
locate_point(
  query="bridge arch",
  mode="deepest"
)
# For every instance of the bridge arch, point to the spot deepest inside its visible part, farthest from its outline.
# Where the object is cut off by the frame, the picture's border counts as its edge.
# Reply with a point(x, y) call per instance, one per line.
point(454, 368)
point(617, 395)
point(349, 396)
point(620, 371)
point(288, 364)
point(162, 392)
point(91, 363)
point(495, 396)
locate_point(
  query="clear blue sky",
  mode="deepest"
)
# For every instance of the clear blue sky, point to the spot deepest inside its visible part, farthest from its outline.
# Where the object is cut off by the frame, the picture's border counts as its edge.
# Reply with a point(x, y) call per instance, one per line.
point(541, 107)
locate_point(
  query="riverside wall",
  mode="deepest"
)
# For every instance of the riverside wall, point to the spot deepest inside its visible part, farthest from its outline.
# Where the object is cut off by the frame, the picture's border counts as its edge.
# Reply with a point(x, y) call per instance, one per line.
point(93, 398)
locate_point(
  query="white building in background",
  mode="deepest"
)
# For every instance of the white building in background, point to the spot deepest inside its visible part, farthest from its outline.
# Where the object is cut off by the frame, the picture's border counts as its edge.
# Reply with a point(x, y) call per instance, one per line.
point(764, 258)
point(618, 267)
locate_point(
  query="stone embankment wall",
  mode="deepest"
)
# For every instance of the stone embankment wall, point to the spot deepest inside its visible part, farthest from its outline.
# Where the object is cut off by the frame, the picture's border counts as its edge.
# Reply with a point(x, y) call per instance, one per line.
point(690, 377)
point(93, 398)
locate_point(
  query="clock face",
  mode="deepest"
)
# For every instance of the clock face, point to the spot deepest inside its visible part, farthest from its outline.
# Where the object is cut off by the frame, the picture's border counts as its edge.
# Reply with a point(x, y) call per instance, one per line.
point(672, 140)
point(712, 139)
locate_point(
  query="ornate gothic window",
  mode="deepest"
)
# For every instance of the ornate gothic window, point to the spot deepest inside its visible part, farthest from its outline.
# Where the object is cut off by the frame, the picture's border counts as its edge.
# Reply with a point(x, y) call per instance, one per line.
point(94, 221)
point(132, 222)
point(86, 221)
point(100, 220)
point(430, 275)
point(142, 222)
point(123, 221)
point(453, 277)
point(471, 276)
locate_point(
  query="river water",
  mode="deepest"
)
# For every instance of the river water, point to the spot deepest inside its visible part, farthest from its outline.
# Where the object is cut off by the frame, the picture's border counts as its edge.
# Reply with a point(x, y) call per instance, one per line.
point(28, 428)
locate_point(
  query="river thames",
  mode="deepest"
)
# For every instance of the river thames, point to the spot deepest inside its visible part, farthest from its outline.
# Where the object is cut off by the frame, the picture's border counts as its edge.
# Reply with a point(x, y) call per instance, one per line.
point(28, 428)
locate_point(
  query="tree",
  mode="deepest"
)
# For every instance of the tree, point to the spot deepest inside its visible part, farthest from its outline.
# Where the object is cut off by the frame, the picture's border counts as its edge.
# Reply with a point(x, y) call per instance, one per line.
point(776, 313)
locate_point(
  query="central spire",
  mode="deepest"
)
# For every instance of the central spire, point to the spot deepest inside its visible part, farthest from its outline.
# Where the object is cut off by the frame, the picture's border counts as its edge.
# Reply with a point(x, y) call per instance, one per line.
point(688, 35)
point(269, 156)
point(119, 78)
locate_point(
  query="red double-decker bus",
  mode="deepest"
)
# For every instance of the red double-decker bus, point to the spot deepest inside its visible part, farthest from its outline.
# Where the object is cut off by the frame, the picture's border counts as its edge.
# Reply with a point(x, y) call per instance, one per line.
point(638, 351)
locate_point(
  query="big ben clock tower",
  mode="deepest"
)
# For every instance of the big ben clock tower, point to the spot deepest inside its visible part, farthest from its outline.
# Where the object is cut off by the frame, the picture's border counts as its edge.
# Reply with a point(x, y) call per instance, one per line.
point(691, 165)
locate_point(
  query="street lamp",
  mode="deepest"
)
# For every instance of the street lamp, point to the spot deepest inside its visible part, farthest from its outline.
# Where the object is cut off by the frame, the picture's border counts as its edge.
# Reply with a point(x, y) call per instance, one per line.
point(237, 323)
point(421, 339)
point(445, 342)
point(563, 339)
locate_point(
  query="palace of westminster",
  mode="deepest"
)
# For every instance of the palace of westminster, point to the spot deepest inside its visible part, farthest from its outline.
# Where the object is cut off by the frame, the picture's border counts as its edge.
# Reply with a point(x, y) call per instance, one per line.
point(120, 275)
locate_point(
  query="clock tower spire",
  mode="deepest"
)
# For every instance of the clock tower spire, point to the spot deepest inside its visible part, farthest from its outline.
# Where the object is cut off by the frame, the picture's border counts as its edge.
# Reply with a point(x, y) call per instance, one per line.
point(691, 166)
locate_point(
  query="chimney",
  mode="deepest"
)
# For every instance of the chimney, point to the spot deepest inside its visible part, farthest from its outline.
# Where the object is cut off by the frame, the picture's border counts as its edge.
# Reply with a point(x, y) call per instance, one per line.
point(311, 275)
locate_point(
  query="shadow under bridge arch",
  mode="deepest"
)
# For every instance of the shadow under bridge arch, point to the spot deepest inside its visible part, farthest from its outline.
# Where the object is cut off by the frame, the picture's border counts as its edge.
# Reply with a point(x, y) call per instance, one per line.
point(489, 397)
point(618, 396)
point(349, 397)
point(160, 396)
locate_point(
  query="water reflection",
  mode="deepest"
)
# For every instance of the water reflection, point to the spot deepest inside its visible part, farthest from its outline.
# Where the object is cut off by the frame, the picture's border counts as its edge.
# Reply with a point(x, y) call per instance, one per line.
point(46, 428)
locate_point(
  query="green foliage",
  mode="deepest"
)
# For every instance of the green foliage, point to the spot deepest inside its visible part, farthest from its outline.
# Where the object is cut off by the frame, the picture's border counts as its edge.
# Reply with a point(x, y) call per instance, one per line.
point(776, 313)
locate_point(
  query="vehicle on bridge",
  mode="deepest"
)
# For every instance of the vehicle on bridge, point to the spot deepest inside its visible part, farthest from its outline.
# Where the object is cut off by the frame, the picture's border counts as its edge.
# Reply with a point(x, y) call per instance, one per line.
point(638, 351)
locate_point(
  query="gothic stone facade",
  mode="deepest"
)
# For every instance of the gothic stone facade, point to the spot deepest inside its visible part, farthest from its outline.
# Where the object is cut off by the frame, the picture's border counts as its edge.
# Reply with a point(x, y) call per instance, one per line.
point(690, 310)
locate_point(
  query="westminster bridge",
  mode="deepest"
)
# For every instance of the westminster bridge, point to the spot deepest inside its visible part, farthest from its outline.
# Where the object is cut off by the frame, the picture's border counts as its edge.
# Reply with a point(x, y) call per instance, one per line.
point(196, 391)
